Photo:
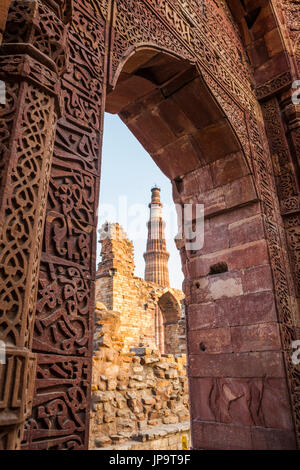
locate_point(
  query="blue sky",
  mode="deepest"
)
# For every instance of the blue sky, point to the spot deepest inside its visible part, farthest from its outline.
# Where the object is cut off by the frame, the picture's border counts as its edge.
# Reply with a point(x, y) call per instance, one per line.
point(128, 173)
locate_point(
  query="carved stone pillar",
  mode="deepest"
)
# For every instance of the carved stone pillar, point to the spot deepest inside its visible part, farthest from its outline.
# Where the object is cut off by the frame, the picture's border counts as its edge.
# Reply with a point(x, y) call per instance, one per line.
point(280, 116)
point(291, 210)
point(31, 58)
point(66, 298)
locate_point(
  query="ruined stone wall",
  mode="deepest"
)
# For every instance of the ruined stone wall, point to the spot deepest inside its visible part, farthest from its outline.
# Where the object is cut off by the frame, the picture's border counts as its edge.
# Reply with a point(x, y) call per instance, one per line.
point(139, 398)
point(131, 297)
point(140, 304)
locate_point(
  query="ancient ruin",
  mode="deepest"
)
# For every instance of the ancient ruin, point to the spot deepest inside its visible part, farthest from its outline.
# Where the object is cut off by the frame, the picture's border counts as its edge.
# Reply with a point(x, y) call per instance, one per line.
point(139, 381)
point(209, 88)
point(139, 398)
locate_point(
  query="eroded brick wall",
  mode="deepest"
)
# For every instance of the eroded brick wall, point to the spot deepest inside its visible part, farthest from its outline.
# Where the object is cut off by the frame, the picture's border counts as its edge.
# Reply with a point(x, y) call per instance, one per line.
point(139, 396)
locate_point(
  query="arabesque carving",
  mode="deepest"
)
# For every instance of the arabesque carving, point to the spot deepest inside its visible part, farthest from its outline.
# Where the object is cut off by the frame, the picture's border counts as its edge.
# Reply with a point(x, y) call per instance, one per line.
point(57, 60)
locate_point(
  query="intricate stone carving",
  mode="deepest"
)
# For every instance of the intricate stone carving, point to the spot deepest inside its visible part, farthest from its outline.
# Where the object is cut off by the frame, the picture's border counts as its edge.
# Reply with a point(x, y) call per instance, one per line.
point(283, 168)
point(29, 118)
point(63, 322)
point(290, 8)
point(71, 217)
point(135, 23)
point(21, 206)
point(30, 22)
point(274, 86)
point(59, 419)
point(17, 377)
point(76, 147)
point(200, 43)
point(87, 54)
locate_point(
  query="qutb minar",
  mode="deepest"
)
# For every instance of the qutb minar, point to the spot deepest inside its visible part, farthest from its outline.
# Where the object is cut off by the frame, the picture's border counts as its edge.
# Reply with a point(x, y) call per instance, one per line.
point(156, 256)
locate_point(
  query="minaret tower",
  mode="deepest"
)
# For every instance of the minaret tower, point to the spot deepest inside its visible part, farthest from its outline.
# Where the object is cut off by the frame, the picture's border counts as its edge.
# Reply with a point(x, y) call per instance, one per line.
point(156, 256)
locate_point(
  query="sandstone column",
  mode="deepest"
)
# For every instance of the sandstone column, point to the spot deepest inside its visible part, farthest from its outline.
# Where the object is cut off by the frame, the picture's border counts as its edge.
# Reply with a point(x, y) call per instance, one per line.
point(31, 56)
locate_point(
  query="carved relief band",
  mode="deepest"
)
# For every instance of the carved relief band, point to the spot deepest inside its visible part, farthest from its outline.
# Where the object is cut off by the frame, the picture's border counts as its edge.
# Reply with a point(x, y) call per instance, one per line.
point(235, 95)
point(66, 294)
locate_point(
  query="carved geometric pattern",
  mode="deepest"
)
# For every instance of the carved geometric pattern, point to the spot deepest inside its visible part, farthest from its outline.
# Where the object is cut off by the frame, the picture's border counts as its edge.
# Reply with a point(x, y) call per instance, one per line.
point(22, 213)
point(77, 148)
point(199, 31)
point(65, 306)
point(63, 316)
point(285, 178)
point(292, 224)
point(283, 169)
point(16, 386)
point(60, 418)
point(29, 119)
point(32, 22)
point(290, 8)
point(194, 37)
point(276, 84)
point(7, 116)
point(70, 220)
point(135, 23)
point(22, 65)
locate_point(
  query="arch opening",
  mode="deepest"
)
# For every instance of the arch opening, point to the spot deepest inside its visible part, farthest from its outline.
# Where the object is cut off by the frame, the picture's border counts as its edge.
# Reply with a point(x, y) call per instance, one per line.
point(171, 340)
point(166, 104)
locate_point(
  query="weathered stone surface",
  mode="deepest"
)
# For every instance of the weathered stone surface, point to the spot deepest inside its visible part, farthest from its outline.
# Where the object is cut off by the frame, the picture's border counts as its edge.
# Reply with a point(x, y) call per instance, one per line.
point(217, 115)
point(249, 364)
point(221, 436)
point(148, 314)
point(140, 394)
point(166, 437)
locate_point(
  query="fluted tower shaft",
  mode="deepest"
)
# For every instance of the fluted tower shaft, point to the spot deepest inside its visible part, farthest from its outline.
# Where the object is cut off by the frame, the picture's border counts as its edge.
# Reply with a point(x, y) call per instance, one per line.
point(156, 256)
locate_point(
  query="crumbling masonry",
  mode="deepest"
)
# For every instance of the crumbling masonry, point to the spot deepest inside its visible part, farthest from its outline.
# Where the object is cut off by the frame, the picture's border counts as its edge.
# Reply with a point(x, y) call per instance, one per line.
point(139, 390)
point(206, 86)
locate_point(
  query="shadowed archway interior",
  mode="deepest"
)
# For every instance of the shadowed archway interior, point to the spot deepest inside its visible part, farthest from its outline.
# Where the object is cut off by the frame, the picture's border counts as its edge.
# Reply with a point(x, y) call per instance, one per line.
point(167, 106)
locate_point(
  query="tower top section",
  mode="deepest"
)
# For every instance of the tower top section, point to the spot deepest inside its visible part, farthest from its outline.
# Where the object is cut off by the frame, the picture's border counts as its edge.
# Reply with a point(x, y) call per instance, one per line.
point(156, 255)
point(155, 196)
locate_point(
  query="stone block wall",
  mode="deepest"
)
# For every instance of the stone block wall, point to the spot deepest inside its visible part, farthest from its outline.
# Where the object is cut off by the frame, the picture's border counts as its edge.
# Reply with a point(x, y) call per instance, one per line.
point(131, 297)
point(137, 396)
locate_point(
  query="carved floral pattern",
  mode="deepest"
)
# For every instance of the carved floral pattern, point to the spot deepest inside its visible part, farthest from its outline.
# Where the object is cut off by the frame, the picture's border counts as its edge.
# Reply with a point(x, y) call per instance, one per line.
point(201, 32)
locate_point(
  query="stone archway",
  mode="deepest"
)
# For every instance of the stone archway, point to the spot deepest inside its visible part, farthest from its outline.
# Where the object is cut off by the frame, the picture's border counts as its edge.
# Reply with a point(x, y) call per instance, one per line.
point(178, 75)
point(171, 312)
